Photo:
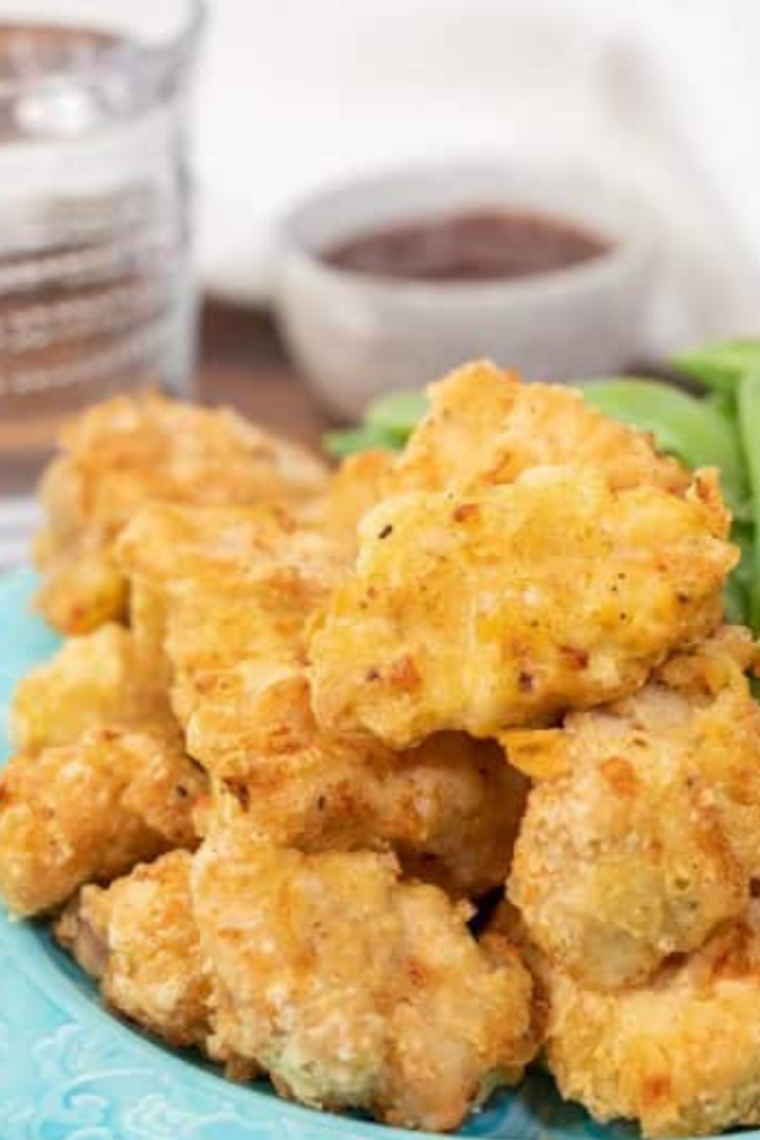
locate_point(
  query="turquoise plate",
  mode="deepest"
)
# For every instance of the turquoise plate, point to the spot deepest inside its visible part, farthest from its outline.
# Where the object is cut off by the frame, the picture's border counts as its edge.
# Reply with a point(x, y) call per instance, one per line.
point(71, 1071)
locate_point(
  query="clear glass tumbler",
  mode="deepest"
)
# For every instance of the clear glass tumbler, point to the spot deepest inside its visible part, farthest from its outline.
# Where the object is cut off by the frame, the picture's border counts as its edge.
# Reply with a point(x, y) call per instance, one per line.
point(96, 287)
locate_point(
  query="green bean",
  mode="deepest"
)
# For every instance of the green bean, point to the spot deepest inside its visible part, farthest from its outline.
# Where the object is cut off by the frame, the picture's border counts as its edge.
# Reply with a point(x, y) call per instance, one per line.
point(388, 422)
point(739, 586)
point(748, 404)
point(736, 601)
point(721, 365)
point(397, 412)
point(693, 430)
point(347, 441)
point(743, 534)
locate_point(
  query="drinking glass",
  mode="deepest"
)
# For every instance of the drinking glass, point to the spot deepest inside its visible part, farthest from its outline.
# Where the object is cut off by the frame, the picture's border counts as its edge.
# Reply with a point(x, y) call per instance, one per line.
point(96, 289)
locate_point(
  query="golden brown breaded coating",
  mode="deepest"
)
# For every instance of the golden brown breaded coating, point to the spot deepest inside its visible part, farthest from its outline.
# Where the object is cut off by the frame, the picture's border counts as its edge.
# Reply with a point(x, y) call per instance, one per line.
point(510, 606)
point(81, 588)
point(138, 938)
point(254, 624)
point(360, 482)
point(681, 1055)
point(621, 867)
point(450, 809)
point(236, 588)
point(352, 988)
point(485, 427)
point(217, 586)
point(92, 681)
point(705, 668)
point(90, 811)
point(131, 451)
point(648, 836)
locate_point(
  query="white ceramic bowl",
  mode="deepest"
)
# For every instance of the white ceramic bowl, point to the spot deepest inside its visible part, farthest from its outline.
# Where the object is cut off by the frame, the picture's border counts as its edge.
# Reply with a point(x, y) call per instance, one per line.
point(355, 336)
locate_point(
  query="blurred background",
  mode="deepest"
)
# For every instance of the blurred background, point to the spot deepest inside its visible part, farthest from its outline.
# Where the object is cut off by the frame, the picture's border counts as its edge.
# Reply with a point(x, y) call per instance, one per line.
point(663, 94)
point(185, 164)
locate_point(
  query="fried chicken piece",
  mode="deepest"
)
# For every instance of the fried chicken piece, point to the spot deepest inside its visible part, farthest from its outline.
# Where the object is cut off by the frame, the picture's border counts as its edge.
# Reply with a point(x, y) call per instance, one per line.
point(352, 988)
point(680, 1055)
point(92, 681)
point(485, 427)
point(90, 811)
point(100, 780)
point(213, 587)
point(449, 809)
point(624, 867)
point(648, 835)
point(131, 451)
point(510, 606)
point(82, 589)
point(138, 939)
point(235, 589)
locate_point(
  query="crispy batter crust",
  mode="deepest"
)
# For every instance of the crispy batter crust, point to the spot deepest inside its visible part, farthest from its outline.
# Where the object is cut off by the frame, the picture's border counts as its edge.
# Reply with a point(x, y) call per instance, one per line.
point(681, 1054)
point(131, 451)
point(351, 988)
point(510, 606)
point(138, 938)
point(648, 837)
point(485, 427)
point(89, 811)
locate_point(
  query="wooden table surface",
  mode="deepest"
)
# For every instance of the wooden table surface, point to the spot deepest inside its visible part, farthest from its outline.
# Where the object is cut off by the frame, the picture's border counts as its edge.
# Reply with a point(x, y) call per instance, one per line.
point(243, 363)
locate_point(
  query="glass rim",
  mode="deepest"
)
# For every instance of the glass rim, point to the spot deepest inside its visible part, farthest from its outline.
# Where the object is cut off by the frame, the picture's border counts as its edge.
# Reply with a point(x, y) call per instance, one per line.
point(166, 53)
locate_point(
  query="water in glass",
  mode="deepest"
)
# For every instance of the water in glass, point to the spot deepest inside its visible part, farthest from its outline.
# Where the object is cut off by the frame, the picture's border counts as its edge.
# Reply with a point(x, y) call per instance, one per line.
point(96, 293)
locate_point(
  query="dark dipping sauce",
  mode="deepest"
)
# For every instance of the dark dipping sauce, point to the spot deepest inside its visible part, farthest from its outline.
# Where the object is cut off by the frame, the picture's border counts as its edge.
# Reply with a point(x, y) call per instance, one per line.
point(474, 245)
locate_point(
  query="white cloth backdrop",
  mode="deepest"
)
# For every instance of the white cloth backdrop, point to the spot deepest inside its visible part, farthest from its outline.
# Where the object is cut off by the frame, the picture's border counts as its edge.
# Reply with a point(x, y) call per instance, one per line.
point(663, 93)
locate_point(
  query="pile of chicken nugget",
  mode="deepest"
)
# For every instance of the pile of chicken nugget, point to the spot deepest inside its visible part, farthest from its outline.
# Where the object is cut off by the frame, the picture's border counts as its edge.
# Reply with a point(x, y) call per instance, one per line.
point(387, 782)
